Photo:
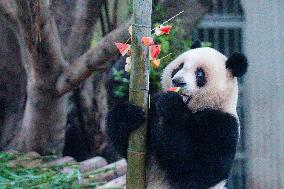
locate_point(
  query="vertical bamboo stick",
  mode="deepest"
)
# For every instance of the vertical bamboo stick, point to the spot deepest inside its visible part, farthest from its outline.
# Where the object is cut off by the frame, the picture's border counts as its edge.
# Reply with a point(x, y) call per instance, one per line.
point(138, 92)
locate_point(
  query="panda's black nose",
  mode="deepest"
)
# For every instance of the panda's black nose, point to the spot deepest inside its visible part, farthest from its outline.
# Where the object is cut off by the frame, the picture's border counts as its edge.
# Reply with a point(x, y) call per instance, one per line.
point(177, 82)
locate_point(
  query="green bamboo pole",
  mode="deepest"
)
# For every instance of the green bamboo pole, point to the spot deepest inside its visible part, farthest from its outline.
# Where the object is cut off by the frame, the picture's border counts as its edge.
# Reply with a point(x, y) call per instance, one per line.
point(138, 92)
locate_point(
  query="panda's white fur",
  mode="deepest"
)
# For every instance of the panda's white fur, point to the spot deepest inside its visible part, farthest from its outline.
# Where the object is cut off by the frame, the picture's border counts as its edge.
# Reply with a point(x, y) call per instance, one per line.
point(220, 92)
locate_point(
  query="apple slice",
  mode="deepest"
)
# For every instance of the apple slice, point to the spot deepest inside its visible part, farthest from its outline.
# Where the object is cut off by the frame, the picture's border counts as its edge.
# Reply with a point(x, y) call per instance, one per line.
point(155, 63)
point(123, 48)
point(174, 89)
point(147, 41)
point(163, 30)
point(166, 29)
point(154, 51)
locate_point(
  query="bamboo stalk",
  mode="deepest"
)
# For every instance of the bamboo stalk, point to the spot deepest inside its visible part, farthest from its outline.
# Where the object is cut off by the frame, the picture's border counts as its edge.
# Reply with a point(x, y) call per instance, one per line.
point(139, 92)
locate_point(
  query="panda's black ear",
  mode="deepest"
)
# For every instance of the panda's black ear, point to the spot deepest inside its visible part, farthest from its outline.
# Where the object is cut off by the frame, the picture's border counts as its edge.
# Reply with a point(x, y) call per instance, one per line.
point(237, 63)
point(196, 44)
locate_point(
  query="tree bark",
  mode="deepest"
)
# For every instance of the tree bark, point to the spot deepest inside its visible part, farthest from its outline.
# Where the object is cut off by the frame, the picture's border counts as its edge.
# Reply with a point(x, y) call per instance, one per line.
point(85, 15)
point(12, 86)
point(81, 137)
point(42, 127)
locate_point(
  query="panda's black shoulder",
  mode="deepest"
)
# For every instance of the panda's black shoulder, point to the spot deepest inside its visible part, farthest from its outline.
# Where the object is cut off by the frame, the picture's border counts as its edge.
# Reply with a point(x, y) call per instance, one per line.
point(216, 116)
point(218, 121)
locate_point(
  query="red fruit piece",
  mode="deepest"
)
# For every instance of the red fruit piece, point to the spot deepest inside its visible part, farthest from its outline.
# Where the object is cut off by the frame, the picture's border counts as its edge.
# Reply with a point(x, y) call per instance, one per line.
point(174, 89)
point(147, 41)
point(155, 51)
point(122, 47)
point(155, 63)
point(165, 29)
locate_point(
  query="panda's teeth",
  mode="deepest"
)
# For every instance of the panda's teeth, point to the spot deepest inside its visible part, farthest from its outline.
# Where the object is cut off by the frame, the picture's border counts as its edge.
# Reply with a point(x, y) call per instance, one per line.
point(185, 99)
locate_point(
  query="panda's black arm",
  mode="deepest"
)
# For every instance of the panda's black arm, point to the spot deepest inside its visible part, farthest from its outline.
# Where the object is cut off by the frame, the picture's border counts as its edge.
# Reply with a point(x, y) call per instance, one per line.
point(169, 107)
point(167, 138)
point(120, 122)
point(189, 145)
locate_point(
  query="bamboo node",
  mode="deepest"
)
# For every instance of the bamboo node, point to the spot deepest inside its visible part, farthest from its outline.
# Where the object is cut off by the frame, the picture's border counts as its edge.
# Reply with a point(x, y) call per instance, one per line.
point(136, 152)
point(137, 90)
point(142, 25)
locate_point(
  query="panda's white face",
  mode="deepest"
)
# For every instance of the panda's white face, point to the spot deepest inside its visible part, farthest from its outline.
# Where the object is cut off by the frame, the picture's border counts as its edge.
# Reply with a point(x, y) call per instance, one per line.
point(205, 80)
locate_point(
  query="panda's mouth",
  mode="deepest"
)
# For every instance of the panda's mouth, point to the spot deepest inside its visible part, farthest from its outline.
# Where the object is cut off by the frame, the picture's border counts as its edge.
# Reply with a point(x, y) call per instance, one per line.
point(186, 98)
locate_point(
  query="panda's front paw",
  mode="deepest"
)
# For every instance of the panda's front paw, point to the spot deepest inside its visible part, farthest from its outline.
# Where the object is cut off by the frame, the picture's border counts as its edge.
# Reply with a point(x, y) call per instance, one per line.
point(135, 114)
point(169, 104)
point(126, 116)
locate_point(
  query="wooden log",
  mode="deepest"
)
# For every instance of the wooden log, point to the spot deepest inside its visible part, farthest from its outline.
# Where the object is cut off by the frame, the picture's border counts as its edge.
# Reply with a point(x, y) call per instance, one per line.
point(62, 161)
point(109, 172)
point(66, 162)
point(118, 182)
point(92, 164)
point(28, 160)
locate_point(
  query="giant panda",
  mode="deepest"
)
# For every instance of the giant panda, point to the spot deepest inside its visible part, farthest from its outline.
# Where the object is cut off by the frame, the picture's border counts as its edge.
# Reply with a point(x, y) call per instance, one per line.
point(193, 135)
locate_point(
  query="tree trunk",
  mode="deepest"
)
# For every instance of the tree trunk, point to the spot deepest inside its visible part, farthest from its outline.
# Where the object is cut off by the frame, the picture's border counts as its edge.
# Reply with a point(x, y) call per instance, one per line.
point(43, 125)
point(42, 122)
point(12, 86)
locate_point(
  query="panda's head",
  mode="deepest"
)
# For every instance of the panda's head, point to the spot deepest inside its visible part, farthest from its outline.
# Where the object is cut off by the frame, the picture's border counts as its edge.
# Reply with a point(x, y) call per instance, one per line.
point(207, 77)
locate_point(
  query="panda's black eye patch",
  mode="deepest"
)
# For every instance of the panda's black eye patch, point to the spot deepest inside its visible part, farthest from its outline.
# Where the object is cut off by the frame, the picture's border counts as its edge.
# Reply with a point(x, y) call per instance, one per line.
point(177, 69)
point(200, 77)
